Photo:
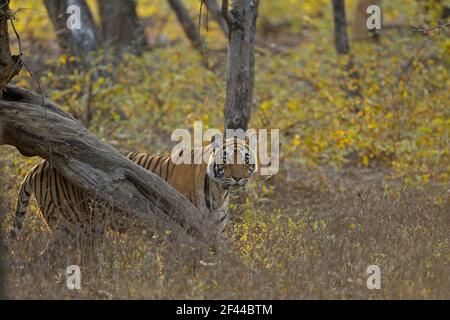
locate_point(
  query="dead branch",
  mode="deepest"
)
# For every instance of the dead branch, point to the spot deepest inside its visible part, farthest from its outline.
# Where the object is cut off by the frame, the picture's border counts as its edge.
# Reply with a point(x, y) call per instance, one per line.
point(215, 10)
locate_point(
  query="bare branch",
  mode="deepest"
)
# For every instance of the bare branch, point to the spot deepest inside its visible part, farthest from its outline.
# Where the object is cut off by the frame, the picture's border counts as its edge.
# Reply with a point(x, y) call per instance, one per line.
point(214, 8)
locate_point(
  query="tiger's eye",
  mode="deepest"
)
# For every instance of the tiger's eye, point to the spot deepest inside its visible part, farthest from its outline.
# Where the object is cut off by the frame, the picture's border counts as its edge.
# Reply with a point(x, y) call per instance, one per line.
point(220, 170)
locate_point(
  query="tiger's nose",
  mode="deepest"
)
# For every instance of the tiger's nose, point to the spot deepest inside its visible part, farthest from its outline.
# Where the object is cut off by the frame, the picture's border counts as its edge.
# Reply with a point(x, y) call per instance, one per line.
point(240, 181)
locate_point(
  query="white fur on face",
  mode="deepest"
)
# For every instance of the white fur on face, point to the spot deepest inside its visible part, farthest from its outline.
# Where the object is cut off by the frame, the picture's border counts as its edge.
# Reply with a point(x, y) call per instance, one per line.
point(218, 155)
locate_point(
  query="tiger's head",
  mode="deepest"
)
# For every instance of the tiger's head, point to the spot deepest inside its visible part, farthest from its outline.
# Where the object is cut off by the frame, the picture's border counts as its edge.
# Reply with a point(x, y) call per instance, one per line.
point(231, 163)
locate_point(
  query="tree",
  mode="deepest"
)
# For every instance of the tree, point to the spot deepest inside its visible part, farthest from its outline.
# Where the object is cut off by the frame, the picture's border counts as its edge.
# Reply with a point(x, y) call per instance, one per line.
point(188, 25)
point(241, 23)
point(340, 27)
point(342, 45)
point(129, 34)
point(77, 40)
point(214, 9)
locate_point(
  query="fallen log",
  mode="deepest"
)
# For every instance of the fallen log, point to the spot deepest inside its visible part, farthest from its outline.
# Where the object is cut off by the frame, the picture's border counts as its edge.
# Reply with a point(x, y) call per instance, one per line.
point(37, 127)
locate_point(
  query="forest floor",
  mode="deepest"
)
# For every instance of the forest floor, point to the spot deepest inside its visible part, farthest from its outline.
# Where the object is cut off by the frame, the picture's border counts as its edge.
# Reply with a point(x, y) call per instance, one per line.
point(299, 235)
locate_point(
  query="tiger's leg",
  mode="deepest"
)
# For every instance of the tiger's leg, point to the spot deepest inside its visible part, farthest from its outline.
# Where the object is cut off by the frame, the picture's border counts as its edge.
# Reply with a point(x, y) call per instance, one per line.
point(23, 201)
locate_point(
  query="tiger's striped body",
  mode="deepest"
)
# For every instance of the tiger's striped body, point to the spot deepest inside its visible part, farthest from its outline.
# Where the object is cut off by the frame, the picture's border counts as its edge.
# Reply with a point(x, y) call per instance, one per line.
point(191, 181)
point(66, 208)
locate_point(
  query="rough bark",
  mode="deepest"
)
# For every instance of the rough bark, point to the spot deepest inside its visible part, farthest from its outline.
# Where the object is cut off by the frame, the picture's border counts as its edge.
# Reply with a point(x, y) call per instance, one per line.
point(78, 42)
point(342, 45)
point(188, 25)
point(340, 27)
point(241, 60)
point(9, 65)
point(39, 128)
point(214, 10)
point(120, 25)
point(359, 27)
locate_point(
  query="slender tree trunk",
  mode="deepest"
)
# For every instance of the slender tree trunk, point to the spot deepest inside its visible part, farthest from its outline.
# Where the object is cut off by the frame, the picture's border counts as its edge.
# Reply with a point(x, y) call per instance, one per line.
point(9, 65)
point(215, 11)
point(241, 61)
point(76, 41)
point(342, 45)
point(340, 27)
point(188, 25)
point(107, 24)
point(120, 25)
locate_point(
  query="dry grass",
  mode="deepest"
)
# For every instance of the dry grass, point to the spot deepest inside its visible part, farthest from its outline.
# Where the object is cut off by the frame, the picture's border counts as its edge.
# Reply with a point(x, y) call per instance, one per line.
point(311, 237)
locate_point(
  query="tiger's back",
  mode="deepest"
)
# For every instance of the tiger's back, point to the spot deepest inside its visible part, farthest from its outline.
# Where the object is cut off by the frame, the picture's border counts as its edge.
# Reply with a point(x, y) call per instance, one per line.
point(183, 177)
point(67, 208)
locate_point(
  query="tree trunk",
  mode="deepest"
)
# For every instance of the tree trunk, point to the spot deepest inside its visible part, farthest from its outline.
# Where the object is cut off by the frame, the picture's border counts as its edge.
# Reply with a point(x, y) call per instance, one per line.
point(241, 60)
point(107, 24)
point(76, 41)
point(340, 27)
point(351, 81)
point(359, 28)
point(9, 65)
point(214, 9)
point(189, 27)
point(129, 34)
point(39, 128)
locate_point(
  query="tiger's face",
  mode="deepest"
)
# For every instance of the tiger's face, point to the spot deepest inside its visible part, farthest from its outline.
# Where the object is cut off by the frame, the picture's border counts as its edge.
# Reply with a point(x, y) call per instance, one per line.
point(232, 163)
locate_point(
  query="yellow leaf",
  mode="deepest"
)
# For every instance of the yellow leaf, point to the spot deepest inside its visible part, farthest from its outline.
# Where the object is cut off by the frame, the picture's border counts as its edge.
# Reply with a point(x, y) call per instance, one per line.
point(266, 105)
point(365, 161)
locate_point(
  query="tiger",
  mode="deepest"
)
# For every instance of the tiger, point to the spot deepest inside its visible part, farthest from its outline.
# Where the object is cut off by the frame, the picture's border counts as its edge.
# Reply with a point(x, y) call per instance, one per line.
point(207, 185)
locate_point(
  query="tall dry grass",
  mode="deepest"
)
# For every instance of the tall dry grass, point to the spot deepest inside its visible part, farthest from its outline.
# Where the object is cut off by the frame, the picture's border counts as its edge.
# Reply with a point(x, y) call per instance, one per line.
point(310, 238)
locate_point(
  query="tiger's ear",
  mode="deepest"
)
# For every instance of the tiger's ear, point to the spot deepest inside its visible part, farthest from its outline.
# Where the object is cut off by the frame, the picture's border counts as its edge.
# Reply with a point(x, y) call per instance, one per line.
point(216, 141)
